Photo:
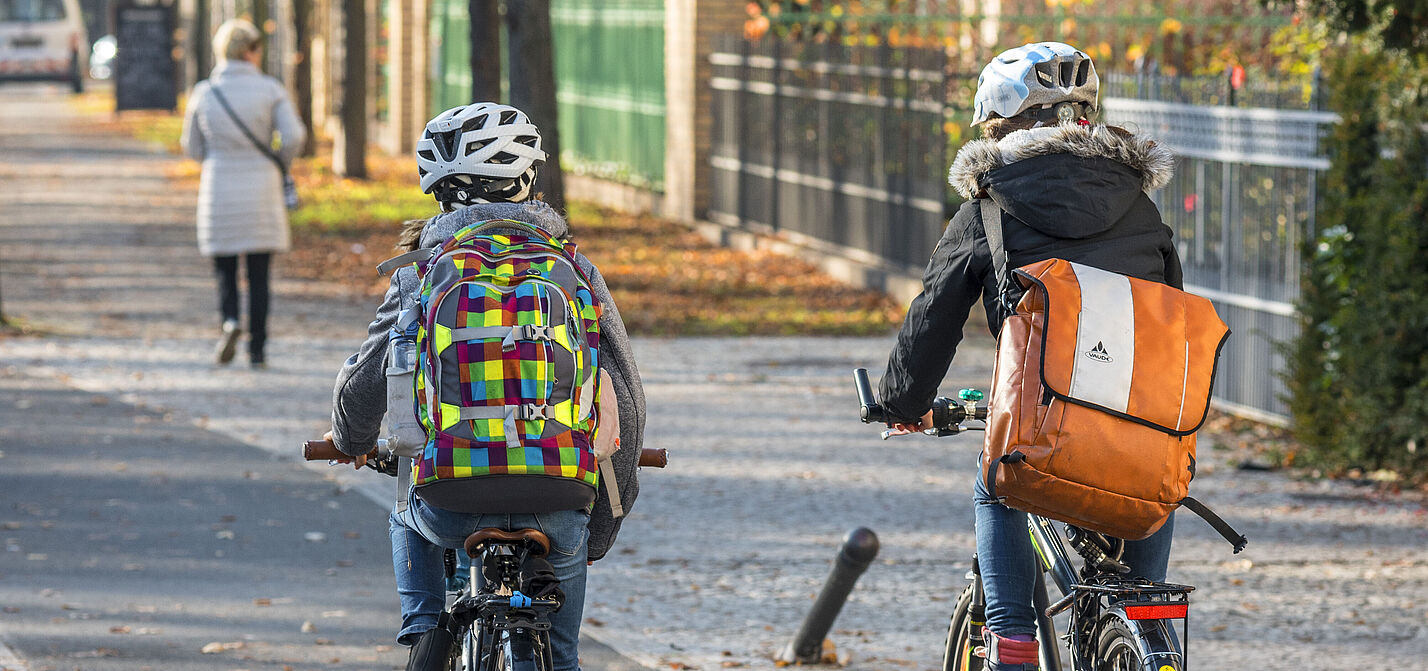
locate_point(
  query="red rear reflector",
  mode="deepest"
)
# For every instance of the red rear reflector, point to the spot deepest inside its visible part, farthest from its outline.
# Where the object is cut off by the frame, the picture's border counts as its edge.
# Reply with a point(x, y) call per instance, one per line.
point(1158, 612)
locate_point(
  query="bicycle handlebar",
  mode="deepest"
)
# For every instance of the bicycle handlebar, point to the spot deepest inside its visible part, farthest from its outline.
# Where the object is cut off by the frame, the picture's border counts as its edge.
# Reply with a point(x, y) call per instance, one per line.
point(322, 450)
point(947, 414)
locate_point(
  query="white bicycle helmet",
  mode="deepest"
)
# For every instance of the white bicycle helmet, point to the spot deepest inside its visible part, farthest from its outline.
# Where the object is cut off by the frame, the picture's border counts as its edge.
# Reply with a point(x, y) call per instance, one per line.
point(1037, 78)
point(479, 153)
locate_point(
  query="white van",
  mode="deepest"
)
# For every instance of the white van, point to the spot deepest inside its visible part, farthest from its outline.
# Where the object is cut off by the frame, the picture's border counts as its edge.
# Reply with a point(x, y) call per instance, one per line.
point(42, 40)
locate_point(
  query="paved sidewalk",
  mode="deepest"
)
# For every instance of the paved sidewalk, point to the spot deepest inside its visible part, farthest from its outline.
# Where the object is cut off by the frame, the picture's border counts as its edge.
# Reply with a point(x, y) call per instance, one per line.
point(768, 468)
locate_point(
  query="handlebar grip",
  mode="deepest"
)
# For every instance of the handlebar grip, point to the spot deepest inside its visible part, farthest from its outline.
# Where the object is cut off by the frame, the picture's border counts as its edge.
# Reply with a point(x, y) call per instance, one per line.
point(868, 408)
point(654, 457)
point(321, 450)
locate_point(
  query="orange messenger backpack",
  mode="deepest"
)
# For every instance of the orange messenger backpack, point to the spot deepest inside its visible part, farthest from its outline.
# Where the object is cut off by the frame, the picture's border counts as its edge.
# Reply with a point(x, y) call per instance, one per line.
point(1101, 382)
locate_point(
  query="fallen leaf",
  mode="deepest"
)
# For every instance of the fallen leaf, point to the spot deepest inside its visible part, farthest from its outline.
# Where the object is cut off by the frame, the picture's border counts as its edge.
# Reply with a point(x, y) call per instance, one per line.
point(217, 647)
point(119, 629)
point(308, 628)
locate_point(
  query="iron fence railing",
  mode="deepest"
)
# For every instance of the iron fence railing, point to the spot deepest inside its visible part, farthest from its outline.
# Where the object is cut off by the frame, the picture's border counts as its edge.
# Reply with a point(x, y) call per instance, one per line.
point(1185, 35)
point(830, 143)
point(609, 67)
point(846, 149)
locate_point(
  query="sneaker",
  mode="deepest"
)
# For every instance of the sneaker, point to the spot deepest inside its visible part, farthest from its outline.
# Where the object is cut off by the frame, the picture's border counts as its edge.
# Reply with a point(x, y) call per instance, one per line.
point(227, 343)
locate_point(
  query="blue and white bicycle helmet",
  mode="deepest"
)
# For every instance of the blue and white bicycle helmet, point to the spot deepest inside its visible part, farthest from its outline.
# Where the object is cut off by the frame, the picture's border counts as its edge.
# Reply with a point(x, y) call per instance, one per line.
point(479, 153)
point(1037, 77)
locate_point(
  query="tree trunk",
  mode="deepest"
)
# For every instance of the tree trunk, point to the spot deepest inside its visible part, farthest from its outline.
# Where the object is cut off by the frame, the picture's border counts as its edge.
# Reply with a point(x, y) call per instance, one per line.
point(532, 72)
point(3, 320)
point(349, 152)
point(302, 74)
point(485, 50)
point(202, 41)
point(260, 19)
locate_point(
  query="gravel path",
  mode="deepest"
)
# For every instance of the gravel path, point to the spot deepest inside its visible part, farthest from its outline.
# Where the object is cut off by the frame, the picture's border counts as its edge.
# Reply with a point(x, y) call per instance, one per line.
point(769, 466)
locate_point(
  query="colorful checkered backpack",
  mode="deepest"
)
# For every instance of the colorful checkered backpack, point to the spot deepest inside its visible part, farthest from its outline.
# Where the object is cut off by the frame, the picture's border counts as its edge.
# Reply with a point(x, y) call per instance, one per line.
point(506, 380)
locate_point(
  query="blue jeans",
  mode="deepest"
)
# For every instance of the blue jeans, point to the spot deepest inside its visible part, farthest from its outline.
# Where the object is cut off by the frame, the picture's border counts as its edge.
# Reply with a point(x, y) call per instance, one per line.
point(420, 533)
point(1008, 562)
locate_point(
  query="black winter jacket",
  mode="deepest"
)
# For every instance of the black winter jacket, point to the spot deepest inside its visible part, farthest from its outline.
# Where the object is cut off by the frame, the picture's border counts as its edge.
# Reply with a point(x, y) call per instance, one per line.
point(1069, 192)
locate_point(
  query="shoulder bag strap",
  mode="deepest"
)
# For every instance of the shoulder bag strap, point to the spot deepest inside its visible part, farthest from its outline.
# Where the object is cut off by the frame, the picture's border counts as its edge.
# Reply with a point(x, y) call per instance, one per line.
point(992, 225)
point(1234, 537)
point(265, 150)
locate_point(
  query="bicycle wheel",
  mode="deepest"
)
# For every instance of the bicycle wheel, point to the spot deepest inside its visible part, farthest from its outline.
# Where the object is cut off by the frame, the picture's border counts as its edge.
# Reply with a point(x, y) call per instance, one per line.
point(1118, 650)
point(957, 653)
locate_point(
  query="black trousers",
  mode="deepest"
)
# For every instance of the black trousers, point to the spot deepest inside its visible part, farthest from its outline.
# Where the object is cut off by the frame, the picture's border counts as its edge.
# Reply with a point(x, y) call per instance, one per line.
point(226, 268)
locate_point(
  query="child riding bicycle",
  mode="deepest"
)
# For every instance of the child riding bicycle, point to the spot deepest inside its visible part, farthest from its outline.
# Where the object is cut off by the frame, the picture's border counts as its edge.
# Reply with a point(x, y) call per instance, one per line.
point(480, 162)
point(1069, 189)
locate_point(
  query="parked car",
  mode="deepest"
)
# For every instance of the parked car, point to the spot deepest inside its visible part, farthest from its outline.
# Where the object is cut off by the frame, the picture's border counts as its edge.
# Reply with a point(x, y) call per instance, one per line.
point(42, 40)
point(101, 57)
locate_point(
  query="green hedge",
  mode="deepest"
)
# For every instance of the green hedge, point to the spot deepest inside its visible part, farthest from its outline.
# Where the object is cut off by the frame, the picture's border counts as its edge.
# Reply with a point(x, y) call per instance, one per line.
point(1359, 370)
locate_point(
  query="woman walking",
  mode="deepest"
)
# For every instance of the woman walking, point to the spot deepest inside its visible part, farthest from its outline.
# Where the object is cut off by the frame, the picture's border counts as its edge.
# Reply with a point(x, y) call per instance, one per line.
point(229, 126)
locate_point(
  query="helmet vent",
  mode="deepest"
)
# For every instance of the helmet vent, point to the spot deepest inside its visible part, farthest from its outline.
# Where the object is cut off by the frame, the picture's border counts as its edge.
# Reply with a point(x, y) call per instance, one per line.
point(476, 146)
point(1068, 71)
point(503, 158)
point(1045, 74)
point(508, 118)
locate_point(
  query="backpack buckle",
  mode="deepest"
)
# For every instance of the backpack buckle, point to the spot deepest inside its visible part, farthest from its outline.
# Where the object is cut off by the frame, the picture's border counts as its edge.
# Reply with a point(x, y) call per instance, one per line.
point(527, 332)
point(531, 411)
point(535, 332)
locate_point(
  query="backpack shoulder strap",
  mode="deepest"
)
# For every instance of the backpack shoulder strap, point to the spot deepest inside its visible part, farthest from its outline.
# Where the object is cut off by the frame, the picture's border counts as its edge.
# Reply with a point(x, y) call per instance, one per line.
point(414, 256)
point(992, 225)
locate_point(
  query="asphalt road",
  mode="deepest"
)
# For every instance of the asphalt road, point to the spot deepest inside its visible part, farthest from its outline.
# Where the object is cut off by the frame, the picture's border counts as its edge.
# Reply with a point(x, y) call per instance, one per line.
point(133, 542)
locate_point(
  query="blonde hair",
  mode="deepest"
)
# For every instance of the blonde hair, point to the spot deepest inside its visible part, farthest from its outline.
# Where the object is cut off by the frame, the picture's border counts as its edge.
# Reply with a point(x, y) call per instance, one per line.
point(235, 38)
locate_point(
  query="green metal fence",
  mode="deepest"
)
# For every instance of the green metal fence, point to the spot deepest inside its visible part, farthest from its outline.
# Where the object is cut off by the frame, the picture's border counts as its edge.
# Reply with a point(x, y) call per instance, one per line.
point(450, 34)
point(609, 69)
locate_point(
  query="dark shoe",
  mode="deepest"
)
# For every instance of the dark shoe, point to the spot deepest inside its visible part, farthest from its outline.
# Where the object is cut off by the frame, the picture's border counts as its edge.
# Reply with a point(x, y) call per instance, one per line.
point(227, 343)
point(432, 650)
point(258, 363)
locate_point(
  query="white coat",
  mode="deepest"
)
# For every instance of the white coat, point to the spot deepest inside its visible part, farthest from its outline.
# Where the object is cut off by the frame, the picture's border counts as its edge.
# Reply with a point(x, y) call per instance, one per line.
point(240, 191)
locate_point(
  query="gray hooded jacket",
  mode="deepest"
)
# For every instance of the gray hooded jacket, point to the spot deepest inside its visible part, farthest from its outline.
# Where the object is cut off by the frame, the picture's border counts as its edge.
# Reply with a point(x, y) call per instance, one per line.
point(360, 397)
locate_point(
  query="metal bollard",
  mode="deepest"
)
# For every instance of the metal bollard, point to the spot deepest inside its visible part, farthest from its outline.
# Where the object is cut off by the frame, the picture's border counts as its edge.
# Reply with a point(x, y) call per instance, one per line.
point(860, 546)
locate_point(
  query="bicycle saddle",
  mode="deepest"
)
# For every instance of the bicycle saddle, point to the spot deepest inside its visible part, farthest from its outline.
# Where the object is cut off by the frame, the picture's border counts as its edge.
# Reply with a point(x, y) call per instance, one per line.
point(532, 538)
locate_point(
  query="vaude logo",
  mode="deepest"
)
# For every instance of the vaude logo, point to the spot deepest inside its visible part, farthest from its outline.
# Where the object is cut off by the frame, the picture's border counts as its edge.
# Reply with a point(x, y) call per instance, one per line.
point(1098, 353)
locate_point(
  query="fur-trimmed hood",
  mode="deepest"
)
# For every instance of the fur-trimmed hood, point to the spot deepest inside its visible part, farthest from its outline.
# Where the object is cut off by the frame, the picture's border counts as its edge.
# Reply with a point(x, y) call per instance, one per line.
point(1155, 163)
point(1067, 182)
